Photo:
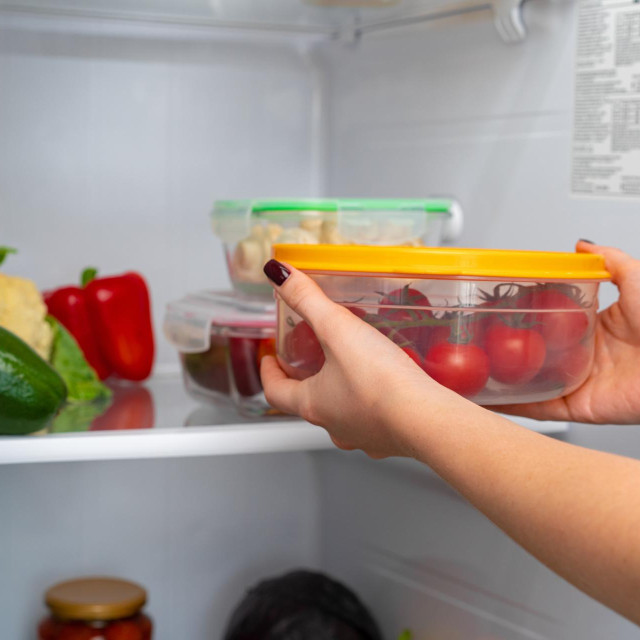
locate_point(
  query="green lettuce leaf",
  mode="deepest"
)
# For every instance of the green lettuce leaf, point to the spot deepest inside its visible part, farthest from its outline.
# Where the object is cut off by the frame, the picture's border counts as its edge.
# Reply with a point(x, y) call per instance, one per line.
point(78, 417)
point(67, 359)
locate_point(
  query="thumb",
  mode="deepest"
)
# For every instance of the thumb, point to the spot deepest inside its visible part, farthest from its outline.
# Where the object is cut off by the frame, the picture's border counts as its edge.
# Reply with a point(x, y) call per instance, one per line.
point(303, 296)
point(624, 270)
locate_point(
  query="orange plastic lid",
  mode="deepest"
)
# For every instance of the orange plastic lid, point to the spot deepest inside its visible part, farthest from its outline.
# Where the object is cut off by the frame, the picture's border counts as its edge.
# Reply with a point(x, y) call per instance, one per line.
point(95, 598)
point(493, 263)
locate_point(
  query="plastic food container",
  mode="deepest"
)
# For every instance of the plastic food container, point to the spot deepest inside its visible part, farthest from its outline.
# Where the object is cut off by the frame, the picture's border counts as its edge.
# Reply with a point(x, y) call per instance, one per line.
point(495, 326)
point(249, 228)
point(221, 340)
point(95, 609)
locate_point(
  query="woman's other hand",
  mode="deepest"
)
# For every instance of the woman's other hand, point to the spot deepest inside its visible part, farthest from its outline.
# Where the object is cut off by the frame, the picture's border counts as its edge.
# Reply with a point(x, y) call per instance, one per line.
point(611, 394)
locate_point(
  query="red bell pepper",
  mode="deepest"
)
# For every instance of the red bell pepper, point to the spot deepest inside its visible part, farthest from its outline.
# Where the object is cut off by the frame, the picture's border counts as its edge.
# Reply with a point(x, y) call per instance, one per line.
point(69, 306)
point(111, 320)
point(120, 312)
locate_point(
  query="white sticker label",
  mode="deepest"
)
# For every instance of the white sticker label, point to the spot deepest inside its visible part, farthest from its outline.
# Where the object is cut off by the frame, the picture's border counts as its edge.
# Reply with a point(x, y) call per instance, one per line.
point(606, 121)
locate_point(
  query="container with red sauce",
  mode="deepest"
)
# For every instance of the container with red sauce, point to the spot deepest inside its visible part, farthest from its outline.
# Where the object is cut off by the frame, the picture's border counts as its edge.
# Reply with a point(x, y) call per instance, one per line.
point(221, 339)
point(95, 608)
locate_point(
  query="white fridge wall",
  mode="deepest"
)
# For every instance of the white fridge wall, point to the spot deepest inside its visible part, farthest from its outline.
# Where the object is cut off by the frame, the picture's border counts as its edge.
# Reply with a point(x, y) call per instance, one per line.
point(424, 559)
point(197, 533)
point(450, 109)
point(114, 148)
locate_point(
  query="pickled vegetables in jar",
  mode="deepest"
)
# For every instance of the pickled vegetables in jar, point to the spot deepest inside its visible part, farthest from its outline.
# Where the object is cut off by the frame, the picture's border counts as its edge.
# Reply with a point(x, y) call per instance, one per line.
point(96, 608)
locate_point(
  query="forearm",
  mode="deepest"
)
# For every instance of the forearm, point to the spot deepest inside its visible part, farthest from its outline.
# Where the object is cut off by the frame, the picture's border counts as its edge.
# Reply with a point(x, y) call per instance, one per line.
point(576, 510)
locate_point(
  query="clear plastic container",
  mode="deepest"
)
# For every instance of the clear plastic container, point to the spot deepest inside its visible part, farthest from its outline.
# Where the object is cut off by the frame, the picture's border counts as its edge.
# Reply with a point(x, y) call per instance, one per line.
point(221, 340)
point(498, 327)
point(249, 229)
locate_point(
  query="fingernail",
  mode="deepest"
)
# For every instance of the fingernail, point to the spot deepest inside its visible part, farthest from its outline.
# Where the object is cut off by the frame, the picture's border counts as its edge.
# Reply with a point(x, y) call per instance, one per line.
point(587, 241)
point(276, 272)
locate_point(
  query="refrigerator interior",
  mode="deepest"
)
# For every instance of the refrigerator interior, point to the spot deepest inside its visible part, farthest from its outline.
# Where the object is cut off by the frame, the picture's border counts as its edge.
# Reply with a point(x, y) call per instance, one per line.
point(120, 127)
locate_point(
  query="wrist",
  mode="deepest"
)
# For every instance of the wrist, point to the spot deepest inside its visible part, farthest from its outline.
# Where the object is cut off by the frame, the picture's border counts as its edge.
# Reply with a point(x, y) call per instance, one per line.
point(432, 423)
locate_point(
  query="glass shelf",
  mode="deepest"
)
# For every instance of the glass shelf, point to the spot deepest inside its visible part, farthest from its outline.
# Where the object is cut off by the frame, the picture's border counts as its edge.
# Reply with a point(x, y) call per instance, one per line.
point(159, 420)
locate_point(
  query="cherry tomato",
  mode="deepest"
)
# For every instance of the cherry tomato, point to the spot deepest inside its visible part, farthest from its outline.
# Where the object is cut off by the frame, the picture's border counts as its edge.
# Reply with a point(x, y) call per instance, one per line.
point(358, 311)
point(516, 355)
point(302, 349)
point(565, 325)
point(381, 323)
point(480, 321)
point(266, 347)
point(124, 630)
point(568, 366)
point(417, 335)
point(461, 328)
point(463, 368)
point(436, 335)
point(414, 355)
point(406, 297)
point(243, 353)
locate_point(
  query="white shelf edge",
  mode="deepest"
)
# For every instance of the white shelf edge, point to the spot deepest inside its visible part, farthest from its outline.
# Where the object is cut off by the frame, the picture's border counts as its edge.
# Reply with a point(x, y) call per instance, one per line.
point(265, 437)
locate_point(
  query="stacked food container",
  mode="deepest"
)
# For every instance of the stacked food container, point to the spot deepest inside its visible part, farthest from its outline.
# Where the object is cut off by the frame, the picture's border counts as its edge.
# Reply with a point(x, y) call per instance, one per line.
point(221, 337)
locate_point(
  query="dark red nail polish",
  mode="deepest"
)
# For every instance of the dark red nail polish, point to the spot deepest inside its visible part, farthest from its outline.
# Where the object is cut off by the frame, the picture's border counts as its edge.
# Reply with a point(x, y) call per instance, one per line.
point(587, 241)
point(276, 272)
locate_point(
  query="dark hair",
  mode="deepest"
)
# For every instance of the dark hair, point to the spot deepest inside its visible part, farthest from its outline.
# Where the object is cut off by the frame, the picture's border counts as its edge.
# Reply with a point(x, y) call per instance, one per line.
point(301, 605)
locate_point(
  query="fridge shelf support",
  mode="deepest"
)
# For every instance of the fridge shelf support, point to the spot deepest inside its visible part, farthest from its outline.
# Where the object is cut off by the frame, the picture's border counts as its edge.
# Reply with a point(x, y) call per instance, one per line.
point(338, 24)
point(507, 19)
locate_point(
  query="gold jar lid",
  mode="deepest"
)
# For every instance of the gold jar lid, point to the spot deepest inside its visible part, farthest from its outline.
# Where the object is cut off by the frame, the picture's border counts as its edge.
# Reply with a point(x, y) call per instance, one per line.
point(95, 598)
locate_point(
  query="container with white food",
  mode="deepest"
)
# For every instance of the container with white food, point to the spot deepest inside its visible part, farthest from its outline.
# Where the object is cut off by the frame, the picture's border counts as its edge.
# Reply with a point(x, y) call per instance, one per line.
point(249, 229)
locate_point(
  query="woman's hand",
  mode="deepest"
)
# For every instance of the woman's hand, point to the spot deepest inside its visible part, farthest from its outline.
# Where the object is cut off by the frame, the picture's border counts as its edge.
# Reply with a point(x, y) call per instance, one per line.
point(611, 393)
point(367, 388)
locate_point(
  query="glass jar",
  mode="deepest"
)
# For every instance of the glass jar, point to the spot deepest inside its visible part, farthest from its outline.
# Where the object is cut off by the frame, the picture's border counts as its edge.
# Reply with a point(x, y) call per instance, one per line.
point(95, 609)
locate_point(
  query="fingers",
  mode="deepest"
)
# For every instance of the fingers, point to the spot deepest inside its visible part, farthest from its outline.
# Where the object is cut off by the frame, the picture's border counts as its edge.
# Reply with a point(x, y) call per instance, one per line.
point(306, 298)
point(374, 455)
point(619, 264)
point(341, 445)
point(281, 392)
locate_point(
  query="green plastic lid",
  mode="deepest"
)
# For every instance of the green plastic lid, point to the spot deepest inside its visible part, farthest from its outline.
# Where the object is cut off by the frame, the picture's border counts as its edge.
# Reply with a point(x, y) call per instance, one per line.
point(263, 206)
point(357, 217)
point(430, 206)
